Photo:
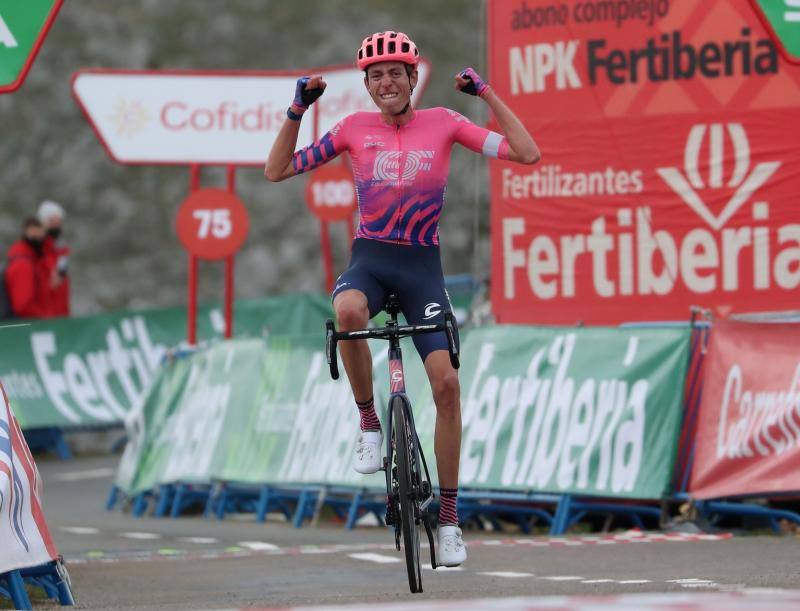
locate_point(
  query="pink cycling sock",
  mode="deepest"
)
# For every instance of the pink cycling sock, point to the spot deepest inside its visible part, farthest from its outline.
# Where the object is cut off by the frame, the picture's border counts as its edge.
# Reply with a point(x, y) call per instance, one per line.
point(448, 499)
point(369, 419)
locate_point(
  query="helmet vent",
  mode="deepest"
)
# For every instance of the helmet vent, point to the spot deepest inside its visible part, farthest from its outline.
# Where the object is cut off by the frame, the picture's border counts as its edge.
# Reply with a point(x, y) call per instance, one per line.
point(391, 46)
point(404, 47)
point(380, 46)
point(369, 51)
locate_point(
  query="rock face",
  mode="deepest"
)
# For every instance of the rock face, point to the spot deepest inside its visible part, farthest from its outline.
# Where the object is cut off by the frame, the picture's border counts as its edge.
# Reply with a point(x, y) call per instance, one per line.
point(120, 221)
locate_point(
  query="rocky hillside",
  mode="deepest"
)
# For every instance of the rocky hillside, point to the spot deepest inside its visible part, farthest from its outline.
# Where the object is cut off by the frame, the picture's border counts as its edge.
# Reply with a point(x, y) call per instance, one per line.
point(121, 218)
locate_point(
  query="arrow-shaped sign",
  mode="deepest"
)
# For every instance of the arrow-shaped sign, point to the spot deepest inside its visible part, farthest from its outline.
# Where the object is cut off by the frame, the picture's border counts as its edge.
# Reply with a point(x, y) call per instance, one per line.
point(23, 28)
point(781, 18)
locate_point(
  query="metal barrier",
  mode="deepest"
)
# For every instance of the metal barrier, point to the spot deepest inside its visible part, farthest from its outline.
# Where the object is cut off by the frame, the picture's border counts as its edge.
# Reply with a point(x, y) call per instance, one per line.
point(51, 577)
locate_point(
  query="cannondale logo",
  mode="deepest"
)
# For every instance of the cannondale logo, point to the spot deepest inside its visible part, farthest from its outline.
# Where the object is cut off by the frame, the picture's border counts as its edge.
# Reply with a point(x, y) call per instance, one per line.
point(431, 310)
point(744, 183)
point(387, 165)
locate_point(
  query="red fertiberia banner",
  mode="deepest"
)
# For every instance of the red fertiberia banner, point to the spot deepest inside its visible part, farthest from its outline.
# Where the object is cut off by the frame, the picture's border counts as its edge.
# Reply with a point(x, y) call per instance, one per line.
point(748, 427)
point(670, 168)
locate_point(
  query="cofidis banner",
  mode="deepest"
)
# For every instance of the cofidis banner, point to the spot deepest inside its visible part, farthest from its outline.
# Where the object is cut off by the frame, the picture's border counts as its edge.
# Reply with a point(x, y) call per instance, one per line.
point(24, 537)
point(670, 167)
point(748, 431)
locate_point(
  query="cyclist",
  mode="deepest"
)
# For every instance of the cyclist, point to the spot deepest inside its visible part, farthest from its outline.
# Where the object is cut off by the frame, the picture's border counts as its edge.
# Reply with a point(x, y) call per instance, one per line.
point(400, 159)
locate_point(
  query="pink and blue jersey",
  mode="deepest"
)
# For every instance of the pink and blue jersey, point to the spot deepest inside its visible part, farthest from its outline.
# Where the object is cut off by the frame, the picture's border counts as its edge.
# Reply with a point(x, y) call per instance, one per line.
point(400, 172)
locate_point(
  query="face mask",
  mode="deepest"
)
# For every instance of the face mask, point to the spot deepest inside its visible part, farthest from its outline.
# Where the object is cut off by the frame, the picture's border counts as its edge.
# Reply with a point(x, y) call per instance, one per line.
point(37, 245)
point(54, 232)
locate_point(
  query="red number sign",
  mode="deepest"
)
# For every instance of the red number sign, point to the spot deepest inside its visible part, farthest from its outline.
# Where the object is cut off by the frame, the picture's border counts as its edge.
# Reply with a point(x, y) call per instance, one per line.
point(331, 194)
point(212, 223)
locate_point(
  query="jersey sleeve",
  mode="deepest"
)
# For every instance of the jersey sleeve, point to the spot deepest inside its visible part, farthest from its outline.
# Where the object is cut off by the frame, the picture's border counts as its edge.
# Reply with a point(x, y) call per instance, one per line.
point(478, 139)
point(332, 144)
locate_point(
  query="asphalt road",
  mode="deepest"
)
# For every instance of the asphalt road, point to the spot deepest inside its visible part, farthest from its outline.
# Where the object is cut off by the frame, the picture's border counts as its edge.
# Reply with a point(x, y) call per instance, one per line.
point(117, 561)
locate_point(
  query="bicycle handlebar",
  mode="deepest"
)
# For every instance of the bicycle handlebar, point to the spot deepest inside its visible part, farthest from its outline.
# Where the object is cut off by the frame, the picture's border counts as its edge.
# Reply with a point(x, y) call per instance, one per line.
point(333, 337)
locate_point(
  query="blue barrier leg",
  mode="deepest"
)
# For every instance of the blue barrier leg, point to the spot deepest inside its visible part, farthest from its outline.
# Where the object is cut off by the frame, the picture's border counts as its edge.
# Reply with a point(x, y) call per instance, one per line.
point(561, 519)
point(60, 445)
point(112, 498)
point(300, 512)
point(47, 583)
point(352, 514)
point(263, 504)
point(212, 498)
point(177, 499)
point(222, 501)
point(164, 497)
point(139, 505)
point(16, 587)
point(64, 593)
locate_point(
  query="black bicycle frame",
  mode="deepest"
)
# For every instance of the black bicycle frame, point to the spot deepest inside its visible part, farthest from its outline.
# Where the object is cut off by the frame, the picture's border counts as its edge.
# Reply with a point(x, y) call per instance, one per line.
point(393, 333)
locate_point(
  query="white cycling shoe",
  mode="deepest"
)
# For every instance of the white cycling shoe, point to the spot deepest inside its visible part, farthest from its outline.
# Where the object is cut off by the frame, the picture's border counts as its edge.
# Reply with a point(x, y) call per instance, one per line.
point(367, 457)
point(451, 551)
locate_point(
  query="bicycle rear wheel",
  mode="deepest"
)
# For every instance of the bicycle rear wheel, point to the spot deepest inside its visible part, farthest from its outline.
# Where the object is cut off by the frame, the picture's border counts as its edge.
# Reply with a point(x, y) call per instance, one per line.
point(406, 463)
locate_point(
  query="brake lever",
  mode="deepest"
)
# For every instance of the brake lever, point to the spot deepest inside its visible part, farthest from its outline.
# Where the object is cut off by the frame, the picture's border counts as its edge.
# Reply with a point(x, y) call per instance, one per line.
point(330, 348)
point(452, 344)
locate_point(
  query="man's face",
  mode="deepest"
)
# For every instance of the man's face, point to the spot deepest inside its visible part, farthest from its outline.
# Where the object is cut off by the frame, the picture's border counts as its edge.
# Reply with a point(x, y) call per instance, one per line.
point(52, 222)
point(389, 85)
point(34, 233)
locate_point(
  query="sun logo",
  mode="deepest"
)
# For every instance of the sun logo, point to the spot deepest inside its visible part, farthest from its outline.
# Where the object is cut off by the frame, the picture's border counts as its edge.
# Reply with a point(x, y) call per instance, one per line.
point(129, 117)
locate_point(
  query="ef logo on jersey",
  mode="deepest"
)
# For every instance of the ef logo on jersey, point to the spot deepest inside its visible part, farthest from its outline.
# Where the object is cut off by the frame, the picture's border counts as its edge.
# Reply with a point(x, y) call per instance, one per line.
point(387, 165)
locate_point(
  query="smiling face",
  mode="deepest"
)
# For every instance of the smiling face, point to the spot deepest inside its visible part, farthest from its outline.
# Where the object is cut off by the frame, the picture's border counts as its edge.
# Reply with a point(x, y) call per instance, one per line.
point(390, 84)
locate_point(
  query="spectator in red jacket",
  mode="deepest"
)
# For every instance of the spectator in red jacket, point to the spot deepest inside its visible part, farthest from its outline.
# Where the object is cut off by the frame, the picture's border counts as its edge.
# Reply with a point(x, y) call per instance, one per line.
point(26, 275)
point(56, 254)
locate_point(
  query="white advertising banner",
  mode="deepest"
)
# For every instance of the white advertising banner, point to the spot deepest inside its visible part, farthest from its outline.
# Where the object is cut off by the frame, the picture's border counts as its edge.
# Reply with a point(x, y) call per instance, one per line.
point(24, 537)
point(210, 118)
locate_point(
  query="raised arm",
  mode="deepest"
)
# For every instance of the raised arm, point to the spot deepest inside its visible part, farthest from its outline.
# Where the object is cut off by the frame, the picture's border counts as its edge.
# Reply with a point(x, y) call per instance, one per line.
point(522, 147)
point(279, 163)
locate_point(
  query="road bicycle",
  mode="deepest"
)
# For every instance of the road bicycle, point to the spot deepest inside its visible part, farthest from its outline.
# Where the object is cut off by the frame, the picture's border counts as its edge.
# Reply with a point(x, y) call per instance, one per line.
point(409, 491)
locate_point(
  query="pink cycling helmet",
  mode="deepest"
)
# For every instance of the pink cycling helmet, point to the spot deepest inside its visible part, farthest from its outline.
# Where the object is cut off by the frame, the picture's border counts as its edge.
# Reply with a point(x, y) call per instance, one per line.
point(387, 47)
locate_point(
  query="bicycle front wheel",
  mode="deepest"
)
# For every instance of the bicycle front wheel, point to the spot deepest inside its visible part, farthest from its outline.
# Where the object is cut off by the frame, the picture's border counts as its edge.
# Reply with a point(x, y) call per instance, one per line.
point(406, 463)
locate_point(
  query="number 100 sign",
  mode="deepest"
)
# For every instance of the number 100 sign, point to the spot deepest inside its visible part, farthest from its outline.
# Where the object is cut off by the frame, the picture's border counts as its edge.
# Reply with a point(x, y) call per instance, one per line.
point(212, 224)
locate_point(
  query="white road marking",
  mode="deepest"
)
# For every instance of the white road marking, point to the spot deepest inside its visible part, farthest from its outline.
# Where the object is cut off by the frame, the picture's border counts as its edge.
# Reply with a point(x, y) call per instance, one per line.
point(445, 569)
point(492, 542)
point(319, 550)
point(629, 581)
point(80, 530)
point(509, 574)
point(563, 578)
point(257, 545)
point(199, 540)
point(693, 582)
point(379, 558)
point(140, 535)
point(598, 581)
point(74, 476)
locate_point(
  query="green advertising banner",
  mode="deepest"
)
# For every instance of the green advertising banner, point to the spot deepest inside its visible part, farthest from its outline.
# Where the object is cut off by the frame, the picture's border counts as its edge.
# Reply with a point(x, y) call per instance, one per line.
point(91, 370)
point(782, 17)
point(593, 411)
point(23, 27)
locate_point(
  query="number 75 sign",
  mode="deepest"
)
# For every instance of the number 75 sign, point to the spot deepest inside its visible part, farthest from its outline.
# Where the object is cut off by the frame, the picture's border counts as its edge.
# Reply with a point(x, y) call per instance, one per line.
point(212, 224)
